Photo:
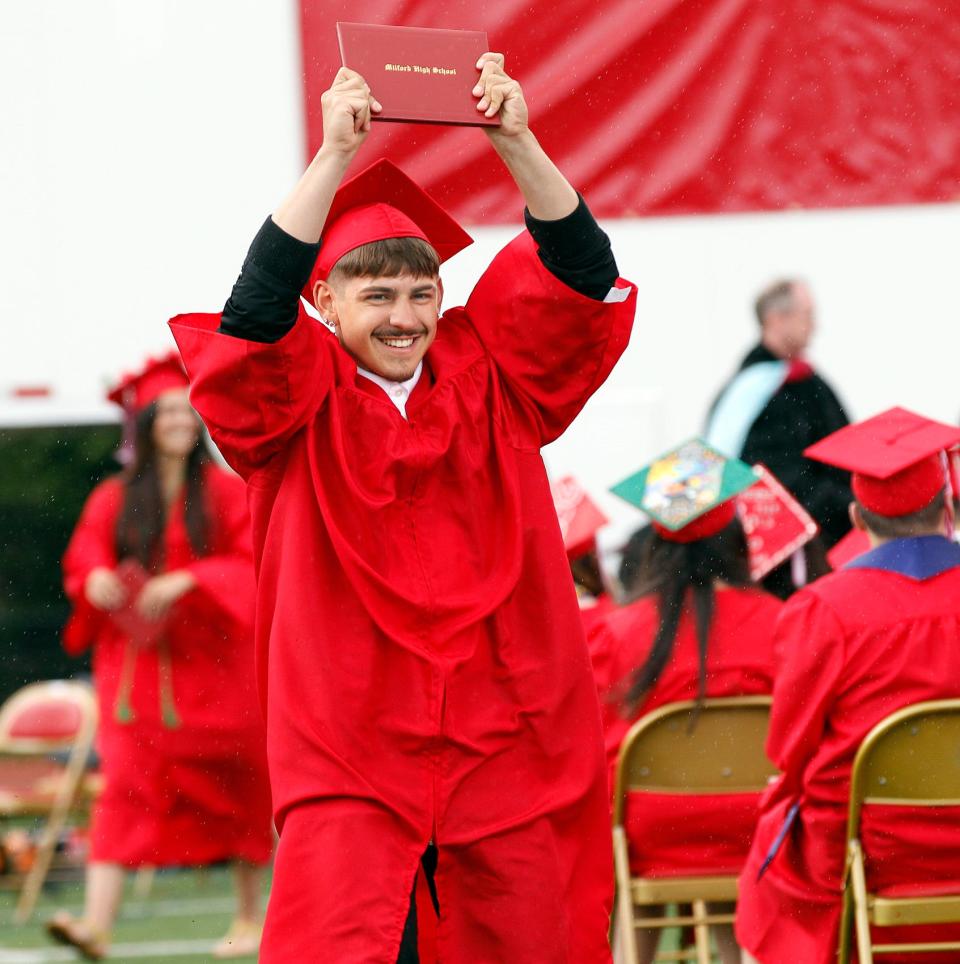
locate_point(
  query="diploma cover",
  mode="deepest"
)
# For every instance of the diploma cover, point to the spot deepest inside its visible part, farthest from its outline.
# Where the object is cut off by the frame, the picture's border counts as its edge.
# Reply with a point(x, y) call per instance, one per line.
point(142, 631)
point(417, 74)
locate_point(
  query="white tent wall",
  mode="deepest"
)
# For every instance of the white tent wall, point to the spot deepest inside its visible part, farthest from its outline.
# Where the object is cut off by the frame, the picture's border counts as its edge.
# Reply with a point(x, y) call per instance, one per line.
point(144, 142)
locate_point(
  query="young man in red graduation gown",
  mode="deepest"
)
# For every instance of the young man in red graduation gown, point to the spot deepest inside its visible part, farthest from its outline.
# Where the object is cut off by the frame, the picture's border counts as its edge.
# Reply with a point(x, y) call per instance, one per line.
point(853, 647)
point(422, 663)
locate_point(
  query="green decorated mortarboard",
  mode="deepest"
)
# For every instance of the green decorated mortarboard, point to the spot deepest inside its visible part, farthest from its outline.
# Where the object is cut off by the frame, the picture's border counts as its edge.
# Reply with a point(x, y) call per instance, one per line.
point(685, 483)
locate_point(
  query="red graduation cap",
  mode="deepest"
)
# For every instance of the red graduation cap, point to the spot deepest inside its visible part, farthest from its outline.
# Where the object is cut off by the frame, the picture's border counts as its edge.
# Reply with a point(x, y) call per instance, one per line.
point(896, 457)
point(709, 524)
point(378, 203)
point(579, 518)
point(136, 390)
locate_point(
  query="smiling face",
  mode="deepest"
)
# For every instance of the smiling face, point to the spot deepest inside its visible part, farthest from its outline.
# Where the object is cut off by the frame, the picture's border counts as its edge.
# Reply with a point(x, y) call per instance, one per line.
point(385, 323)
point(176, 428)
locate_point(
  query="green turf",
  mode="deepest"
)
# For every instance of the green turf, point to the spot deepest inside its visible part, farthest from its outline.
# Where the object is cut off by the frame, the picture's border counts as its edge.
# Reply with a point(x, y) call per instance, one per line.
point(182, 906)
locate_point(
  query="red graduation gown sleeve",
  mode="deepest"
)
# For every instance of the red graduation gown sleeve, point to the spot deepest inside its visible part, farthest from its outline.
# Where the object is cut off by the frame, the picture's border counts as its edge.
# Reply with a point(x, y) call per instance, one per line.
point(225, 584)
point(91, 546)
point(810, 654)
point(553, 346)
point(253, 396)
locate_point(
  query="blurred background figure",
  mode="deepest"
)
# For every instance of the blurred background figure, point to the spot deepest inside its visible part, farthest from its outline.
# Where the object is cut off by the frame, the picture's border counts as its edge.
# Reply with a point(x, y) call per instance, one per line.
point(774, 407)
point(160, 576)
point(580, 519)
point(697, 627)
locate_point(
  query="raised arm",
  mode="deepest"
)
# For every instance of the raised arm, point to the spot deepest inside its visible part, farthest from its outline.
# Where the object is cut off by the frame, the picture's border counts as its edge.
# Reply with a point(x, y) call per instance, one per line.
point(547, 193)
point(261, 368)
point(265, 301)
point(347, 107)
point(550, 309)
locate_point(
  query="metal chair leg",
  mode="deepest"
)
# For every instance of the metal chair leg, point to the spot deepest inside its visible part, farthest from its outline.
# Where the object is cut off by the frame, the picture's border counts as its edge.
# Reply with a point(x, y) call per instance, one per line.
point(701, 932)
point(859, 879)
point(624, 913)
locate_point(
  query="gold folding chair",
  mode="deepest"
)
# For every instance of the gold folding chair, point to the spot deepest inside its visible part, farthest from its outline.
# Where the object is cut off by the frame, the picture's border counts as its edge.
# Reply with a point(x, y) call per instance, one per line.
point(910, 759)
point(37, 723)
point(716, 748)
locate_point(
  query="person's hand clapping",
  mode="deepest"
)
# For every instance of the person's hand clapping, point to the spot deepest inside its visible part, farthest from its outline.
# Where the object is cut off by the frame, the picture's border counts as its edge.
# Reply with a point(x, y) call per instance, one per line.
point(500, 94)
point(161, 592)
point(103, 589)
point(347, 108)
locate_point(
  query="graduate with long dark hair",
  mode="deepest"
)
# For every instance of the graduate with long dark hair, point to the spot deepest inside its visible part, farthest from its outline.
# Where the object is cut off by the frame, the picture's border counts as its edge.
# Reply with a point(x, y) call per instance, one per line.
point(696, 627)
point(160, 575)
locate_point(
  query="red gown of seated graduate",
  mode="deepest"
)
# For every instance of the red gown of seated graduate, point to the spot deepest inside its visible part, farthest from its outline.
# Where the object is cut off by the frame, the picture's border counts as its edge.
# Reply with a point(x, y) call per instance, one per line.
point(851, 649)
point(196, 792)
point(419, 646)
point(674, 833)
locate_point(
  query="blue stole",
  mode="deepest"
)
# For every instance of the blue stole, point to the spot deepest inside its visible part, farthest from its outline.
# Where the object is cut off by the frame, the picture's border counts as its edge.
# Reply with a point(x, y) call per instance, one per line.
point(741, 404)
point(918, 558)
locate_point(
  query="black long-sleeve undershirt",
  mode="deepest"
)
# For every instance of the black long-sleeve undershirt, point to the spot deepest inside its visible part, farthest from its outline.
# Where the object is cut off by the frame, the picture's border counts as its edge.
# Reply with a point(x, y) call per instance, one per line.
point(264, 302)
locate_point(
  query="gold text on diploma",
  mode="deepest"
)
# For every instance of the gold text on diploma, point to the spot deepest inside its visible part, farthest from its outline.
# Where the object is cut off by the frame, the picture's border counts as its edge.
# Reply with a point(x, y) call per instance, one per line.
point(417, 69)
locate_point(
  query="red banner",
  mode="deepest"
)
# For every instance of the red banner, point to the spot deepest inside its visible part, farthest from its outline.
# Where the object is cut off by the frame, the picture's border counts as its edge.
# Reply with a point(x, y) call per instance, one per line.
point(684, 106)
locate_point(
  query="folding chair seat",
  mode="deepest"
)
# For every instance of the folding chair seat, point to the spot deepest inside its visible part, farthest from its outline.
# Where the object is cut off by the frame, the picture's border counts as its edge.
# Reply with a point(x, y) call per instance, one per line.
point(910, 759)
point(715, 748)
point(46, 737)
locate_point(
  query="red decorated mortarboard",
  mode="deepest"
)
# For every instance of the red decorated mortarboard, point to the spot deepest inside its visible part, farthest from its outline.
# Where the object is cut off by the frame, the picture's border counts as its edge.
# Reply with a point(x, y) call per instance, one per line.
point(897, 459)
point(775, 523)
point(579, 518)
point(378, 203)
point(136, 390)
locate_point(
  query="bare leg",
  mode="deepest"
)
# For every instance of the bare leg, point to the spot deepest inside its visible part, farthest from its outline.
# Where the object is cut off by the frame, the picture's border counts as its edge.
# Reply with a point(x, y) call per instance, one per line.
point(248, 880)
point(104, 894)
point(243, 938)
point(91, 933)
point(747, 958)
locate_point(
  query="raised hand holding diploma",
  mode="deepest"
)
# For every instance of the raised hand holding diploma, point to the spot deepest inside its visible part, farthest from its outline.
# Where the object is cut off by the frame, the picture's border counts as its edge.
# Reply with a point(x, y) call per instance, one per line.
point(347, 108)
point(547, 192)
point(500, 94)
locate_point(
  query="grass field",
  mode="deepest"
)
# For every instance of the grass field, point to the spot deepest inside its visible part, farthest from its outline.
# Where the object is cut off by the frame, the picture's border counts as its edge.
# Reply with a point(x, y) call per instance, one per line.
point(185, 914)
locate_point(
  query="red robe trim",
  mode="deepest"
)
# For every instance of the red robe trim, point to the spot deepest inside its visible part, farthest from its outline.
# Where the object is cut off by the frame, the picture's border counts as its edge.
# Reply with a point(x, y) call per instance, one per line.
point(198, 793)
point(852, 648)
point(674, 834)
point(420, 653)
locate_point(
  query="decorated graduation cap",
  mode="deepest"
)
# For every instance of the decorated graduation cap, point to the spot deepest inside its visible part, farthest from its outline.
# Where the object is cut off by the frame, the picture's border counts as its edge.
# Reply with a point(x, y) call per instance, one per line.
point(688, 492)
point(578, 516)
point(897, 459)
point(136, 390)
point(378, 203)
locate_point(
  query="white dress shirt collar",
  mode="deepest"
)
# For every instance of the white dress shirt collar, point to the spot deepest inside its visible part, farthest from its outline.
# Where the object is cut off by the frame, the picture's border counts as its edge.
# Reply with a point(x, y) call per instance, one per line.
point(397, 392)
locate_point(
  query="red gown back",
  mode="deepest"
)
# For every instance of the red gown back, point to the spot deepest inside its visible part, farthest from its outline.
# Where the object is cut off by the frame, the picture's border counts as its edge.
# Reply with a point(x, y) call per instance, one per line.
point(679, 834)
point(851, 649)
